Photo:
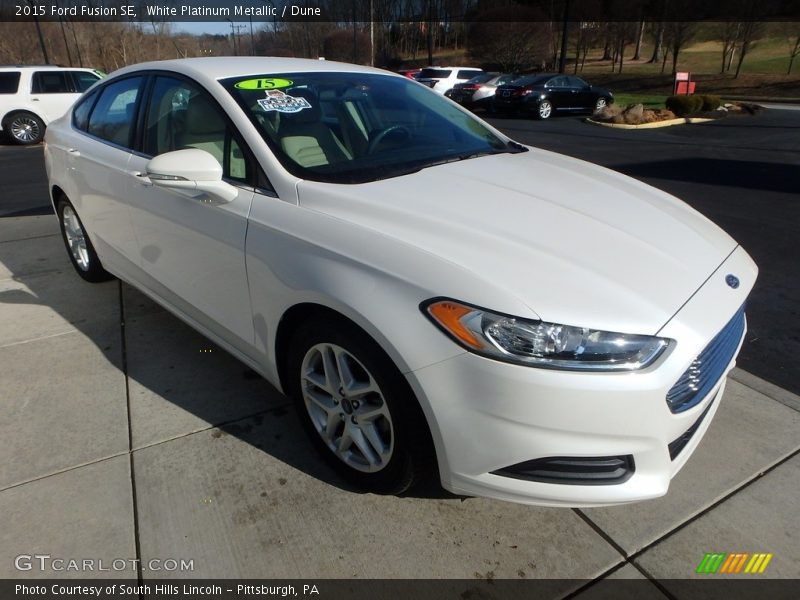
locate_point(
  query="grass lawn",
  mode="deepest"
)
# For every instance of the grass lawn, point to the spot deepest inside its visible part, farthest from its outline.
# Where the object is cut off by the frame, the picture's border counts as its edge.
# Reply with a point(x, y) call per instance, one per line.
point(649, 101)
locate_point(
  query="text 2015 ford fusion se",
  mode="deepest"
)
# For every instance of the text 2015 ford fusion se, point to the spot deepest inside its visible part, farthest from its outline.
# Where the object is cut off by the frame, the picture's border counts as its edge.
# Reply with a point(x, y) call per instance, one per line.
point(377, 253)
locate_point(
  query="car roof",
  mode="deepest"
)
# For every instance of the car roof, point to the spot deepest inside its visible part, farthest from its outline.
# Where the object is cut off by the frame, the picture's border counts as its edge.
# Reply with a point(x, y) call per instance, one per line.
point(40, 67)
point(210, 69)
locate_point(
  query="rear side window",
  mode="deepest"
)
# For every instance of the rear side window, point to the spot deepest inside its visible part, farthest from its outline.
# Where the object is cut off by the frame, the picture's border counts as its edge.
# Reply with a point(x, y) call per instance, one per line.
point(83, 80)
point(51, 82)
point(467, 74)
point(434, 74)
point(112, 117)
point(80, 114)
point(9, 82)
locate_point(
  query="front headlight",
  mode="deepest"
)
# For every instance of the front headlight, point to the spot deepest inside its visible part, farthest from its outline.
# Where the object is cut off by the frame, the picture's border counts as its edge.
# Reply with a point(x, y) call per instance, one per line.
point(540, 344)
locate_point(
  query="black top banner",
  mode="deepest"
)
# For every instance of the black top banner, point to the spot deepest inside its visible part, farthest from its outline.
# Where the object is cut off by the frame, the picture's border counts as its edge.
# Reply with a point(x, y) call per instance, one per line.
point(398, 10)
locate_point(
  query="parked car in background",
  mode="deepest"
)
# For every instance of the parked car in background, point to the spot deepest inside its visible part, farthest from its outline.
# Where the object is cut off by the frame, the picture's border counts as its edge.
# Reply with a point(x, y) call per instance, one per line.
point(543, 95)
point(437, 298)
point(410, 73)
point(479, 91)
point(462, 92)
point(31, 97)
point(441, 79)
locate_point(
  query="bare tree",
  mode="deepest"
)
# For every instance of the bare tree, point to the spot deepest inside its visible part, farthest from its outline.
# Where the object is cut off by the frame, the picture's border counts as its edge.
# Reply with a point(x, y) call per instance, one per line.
point(510, 39)
point(750, 31)
point(637, 55)
point(677, 35)
point(794, 52)
point(727, 33)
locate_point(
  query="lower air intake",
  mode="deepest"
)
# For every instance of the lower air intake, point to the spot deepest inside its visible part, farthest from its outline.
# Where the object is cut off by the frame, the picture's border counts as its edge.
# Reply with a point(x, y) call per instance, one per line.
point(573, 470)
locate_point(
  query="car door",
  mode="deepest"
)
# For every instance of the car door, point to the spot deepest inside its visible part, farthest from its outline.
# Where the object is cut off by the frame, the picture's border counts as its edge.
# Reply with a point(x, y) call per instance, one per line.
point(192, 247)
point(52, 93)
point(560, 93)
point(584, 98)
point(97, 151)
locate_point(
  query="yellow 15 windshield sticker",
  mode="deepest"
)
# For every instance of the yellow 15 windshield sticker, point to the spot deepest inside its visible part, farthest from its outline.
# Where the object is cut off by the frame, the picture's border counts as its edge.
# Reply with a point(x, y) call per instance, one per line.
point(263, 84)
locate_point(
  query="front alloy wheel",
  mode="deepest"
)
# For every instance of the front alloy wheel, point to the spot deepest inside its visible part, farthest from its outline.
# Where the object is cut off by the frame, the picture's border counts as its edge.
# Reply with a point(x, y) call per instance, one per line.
point(357, 407)
point(545, 109)
point(600, 104)
point(347, 408)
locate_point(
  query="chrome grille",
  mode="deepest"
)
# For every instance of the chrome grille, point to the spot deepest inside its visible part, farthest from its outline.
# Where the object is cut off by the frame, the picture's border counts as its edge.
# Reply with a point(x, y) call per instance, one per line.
point(707, 369)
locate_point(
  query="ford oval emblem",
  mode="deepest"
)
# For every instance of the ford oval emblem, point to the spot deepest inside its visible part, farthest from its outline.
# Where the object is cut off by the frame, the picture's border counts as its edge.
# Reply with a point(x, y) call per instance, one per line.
point(732, 281)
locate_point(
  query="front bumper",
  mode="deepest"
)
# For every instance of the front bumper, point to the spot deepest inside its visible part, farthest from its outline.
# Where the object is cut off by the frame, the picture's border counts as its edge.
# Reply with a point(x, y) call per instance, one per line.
point(488, 415)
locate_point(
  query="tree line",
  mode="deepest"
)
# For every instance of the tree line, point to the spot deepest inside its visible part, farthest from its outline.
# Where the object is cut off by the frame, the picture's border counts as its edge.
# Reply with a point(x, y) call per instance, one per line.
point(499, 35)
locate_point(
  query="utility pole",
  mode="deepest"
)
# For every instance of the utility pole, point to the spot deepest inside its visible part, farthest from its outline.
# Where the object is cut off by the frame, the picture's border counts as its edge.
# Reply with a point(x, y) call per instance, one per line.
point(562, 61)
point(64, 35)
point(33, 5)
point(252, 39)
point(372, 36)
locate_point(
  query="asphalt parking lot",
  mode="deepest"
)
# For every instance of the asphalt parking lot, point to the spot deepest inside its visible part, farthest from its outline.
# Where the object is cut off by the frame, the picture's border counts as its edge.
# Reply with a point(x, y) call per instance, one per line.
point(129, 435)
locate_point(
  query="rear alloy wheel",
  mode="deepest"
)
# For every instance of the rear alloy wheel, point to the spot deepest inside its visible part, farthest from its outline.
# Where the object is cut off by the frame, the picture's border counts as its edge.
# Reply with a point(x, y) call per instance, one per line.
point(80, 249)
point(600, 104)
point(24, 128)
point(357, 407)
point(545, 109)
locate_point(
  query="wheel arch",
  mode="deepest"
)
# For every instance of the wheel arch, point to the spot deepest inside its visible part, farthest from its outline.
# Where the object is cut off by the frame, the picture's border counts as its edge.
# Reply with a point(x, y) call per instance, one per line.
point(299, 313)
point(31, 111)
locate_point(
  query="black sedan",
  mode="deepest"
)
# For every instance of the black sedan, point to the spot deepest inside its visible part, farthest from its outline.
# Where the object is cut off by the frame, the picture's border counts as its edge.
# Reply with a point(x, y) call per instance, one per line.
point(542, 95)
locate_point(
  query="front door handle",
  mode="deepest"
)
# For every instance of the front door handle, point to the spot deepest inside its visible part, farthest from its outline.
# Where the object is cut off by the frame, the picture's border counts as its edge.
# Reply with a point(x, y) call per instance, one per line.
point(142, 178)
point(74, 152)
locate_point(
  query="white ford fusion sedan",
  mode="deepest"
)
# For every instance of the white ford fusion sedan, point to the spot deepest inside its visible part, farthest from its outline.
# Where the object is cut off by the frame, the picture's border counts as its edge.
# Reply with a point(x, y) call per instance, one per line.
point(435, 297)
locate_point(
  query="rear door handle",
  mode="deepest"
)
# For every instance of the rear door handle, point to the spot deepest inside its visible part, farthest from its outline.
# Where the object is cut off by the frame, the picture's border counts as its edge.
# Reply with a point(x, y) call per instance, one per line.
point(74, 152)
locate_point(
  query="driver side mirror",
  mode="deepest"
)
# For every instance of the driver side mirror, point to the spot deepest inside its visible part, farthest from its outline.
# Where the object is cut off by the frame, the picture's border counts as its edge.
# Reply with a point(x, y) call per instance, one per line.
point(190, 169)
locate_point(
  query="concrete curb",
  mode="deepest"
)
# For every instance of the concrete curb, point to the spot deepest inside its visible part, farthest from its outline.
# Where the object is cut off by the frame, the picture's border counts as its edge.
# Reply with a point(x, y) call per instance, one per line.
point(770, 390)
point(655, 125)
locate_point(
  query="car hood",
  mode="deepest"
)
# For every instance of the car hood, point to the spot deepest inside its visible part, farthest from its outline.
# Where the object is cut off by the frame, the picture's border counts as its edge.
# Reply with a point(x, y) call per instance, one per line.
point(577, 243)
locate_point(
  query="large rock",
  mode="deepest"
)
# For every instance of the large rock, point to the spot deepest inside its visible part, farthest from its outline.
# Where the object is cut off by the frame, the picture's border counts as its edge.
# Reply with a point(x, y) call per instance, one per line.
point(634, 115)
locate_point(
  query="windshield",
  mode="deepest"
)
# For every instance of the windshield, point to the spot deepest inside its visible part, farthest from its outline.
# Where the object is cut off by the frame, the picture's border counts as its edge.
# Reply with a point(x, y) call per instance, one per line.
point(359, 127)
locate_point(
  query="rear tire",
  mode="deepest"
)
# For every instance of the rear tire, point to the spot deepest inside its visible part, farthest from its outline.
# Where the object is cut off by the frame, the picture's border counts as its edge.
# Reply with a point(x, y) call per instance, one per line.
point(357, 408)
point(24, 128)
point(79, 248)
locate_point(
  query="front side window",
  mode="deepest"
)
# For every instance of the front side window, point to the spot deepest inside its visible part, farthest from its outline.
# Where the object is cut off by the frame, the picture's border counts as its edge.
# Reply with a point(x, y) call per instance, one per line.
point(181, 115)
point(83, 80)
point(9, 82)
point(113, 114)
point(359, 127)
point(50, 82)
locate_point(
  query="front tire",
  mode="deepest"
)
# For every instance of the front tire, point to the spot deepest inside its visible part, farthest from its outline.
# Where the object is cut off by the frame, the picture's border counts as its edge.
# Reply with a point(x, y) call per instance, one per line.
point(358, 408)
point(24, 128)
point(544, 110)
point(600, 104)
point(79, 248)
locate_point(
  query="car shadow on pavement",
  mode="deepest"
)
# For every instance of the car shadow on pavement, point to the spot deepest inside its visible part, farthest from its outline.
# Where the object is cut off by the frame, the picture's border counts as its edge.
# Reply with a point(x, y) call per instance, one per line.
point(178, 383)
